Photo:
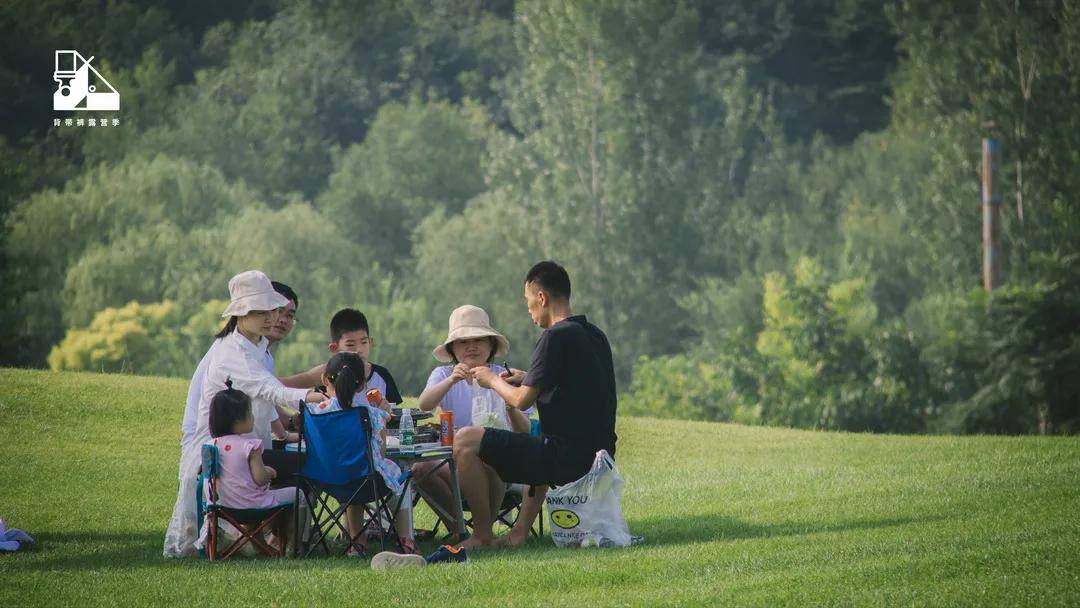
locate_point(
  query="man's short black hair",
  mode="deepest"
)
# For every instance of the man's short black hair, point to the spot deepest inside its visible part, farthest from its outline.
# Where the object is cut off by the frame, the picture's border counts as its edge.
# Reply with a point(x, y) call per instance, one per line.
point(551, 278)
point(346, 320)
point(286, 291)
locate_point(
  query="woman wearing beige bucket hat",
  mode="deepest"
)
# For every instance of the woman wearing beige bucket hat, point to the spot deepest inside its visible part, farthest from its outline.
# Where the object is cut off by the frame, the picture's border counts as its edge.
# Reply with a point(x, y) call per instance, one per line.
point(470, 342)
point(237, 354)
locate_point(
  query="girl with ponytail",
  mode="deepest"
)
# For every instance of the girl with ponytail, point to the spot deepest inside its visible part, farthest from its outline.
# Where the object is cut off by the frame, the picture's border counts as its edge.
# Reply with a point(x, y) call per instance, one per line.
point(345, 381)
point(244, 481)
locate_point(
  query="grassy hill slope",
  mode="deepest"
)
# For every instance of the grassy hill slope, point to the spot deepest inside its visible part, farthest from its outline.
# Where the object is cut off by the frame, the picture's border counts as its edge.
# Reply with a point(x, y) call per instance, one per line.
point(732, 515)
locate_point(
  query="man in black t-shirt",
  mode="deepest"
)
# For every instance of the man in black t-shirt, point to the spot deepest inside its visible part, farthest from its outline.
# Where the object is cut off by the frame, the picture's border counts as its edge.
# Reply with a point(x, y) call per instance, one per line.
point(571, 380)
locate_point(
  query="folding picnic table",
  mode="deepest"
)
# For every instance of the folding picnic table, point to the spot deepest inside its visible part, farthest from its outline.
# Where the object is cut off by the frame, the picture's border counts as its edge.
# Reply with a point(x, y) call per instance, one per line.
point(444, 455)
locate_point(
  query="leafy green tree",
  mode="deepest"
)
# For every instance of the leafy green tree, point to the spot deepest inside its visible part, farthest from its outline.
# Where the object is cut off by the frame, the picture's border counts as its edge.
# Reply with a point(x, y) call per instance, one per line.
point(46, 235)
point(138, 266)
point(828, 63)
point(275, 98)
point(197, 334)
point(136, 338)
point(692, 387)
point(257, 116)
point(609, 175)
point(827, 363)
point(1030, 350)
point(999, 69)
point(417, 158)
point(157, 338)
point(478, 257)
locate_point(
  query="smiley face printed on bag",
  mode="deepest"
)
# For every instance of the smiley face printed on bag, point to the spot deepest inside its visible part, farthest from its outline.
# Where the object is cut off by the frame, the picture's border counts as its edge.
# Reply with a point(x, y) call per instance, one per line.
point(565, 519)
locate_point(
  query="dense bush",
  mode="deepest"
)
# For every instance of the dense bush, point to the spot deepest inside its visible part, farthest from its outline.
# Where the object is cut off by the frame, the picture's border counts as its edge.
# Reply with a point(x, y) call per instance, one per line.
point(135, 338)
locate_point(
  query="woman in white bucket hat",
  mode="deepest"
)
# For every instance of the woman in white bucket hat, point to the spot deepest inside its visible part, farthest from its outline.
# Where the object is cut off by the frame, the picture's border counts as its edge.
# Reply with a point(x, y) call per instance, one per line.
point(237, 354)
point(471, 341)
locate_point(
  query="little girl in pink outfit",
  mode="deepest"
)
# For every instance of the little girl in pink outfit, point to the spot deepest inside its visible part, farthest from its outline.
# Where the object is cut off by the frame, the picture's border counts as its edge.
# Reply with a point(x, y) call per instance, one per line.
point(244, 481)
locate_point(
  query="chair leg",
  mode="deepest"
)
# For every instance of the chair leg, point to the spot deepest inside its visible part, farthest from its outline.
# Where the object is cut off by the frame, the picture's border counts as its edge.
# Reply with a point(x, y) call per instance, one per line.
point(281, 530)
point(211, 543)
point(253, 534)
point(321, 515)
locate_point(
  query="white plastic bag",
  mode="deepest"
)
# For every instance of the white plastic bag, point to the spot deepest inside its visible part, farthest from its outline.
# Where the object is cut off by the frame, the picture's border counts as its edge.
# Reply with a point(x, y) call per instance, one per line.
point(588, 512)
point(488, 409)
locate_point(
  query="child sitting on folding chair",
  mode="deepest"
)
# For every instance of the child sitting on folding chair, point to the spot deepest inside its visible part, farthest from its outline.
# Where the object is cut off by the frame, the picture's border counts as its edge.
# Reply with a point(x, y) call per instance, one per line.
point(345, 381)
point(243, 481)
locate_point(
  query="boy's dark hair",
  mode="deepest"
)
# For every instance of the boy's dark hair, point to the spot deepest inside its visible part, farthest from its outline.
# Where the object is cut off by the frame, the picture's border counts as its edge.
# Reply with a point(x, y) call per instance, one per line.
point(491, 355)
point(551, 278)
point(346, 372)
point(283, 289)
point(227, 408)
point(346, 320)
point(286, 291)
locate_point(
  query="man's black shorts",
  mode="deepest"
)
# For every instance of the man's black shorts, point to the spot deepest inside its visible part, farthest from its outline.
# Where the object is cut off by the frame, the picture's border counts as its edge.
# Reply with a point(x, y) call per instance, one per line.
point(528, 459)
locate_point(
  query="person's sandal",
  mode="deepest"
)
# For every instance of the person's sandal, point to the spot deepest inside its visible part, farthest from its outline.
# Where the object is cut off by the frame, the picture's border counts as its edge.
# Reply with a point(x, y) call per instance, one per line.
point(408, 546)
point(357, 552)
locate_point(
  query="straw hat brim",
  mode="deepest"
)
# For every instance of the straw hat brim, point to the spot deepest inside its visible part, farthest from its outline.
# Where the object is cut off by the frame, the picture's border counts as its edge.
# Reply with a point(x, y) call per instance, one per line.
point(466, 332)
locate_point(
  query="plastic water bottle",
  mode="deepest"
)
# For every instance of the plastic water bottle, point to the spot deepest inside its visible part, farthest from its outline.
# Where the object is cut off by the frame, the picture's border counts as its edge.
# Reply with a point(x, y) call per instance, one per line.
point(406, 432)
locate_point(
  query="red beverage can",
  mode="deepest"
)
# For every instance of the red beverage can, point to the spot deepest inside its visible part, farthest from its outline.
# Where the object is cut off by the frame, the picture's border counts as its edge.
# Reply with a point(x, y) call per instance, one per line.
point(446, 428)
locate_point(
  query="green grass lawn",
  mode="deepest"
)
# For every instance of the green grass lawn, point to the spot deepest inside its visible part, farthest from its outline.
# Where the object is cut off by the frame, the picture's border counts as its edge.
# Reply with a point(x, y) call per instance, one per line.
point(732, 515)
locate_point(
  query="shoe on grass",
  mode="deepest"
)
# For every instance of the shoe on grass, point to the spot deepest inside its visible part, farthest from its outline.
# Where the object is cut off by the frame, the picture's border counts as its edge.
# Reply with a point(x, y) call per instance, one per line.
point(447, 554)
point(443, 555)
point(387, 560)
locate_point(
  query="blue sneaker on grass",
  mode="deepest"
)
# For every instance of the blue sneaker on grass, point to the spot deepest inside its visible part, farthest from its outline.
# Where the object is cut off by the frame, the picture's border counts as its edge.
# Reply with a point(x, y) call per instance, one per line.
point(447, 555)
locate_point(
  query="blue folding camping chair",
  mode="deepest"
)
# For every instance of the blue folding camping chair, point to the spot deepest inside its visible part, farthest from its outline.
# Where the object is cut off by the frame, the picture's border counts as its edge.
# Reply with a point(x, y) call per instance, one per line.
point(338, 470)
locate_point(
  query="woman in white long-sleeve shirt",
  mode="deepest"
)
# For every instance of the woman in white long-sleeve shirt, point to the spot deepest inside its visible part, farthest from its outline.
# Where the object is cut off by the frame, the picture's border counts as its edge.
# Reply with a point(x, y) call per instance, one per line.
point(237, 355)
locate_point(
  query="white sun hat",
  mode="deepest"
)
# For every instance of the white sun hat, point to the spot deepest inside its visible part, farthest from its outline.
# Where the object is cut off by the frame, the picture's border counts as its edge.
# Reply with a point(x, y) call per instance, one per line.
point(252, 290)
point(467, 322)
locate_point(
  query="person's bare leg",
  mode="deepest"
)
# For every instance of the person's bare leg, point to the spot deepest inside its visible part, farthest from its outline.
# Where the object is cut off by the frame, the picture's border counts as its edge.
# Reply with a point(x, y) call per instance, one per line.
point(496, 488)
point(473, 475)
point(354, 516)
point(437, 486)
point(403, 523)
point(530, 508)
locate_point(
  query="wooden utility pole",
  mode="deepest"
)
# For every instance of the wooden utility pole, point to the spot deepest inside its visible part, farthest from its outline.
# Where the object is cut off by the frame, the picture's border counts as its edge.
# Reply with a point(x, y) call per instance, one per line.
point(991, 205)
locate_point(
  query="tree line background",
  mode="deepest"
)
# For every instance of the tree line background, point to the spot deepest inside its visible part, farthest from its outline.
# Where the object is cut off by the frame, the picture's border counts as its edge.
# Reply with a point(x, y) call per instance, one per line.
point(771, 206)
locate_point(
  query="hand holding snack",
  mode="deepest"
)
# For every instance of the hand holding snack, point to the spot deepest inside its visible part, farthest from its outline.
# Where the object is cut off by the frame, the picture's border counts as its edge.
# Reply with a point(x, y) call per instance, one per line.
point(461, 372)
point(374, 397)
point(483, 376)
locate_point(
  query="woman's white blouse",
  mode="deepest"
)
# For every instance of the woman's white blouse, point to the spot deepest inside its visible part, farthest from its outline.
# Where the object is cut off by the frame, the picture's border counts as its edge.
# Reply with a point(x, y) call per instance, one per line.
point(235, 357)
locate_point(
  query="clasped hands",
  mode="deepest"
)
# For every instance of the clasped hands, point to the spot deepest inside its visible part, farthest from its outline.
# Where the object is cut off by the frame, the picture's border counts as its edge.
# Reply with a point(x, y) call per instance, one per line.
point(484, 376)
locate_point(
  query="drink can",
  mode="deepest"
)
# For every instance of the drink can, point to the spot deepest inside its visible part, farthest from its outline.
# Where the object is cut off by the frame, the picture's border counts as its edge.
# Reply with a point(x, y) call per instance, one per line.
point(374, 397)
point(446, 428)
